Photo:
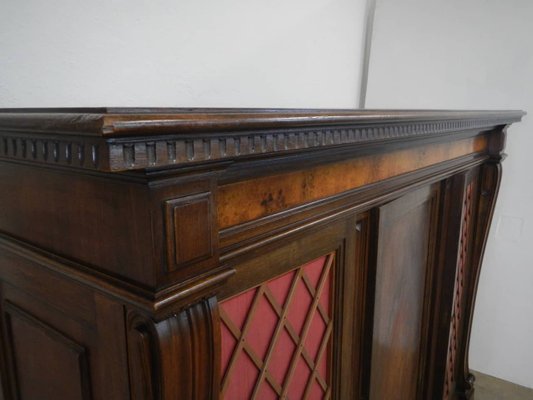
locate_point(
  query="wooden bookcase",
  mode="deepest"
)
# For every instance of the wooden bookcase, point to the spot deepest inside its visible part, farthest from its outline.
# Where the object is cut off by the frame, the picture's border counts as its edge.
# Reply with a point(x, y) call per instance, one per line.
point(242, 254)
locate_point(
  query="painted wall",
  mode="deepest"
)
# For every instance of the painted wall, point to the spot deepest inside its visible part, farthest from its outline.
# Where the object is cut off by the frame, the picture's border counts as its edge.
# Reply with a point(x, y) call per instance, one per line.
point(475, 54)
point(305, 53)
point(242, 53)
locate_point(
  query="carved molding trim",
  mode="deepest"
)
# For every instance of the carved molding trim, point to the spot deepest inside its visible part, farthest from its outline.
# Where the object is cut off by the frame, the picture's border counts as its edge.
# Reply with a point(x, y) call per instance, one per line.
point(77, 152)
point(158, 304)
point(172, 149)
point(179, 296)
point(177, 150)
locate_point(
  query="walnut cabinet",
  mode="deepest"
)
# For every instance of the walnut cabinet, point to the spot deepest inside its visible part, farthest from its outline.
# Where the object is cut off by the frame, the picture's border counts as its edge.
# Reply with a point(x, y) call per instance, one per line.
point(164, 254)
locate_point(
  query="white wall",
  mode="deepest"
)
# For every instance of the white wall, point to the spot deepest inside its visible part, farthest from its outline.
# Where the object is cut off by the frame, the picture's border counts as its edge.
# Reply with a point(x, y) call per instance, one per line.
point(242, 53)
point(475, 54)
point(305, 53)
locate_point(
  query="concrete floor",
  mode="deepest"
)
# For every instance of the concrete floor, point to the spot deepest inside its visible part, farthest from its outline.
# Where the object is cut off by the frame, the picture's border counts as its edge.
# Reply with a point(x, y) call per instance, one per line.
point(491, 388)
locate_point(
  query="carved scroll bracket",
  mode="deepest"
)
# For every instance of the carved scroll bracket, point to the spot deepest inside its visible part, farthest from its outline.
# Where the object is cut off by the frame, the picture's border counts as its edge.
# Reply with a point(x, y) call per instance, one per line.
point(490, 178)
point(497, 143)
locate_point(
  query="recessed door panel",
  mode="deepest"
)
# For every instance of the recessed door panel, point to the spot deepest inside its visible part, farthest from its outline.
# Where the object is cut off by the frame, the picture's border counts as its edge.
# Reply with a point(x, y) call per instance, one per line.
point(404, 249)
point(49, 365)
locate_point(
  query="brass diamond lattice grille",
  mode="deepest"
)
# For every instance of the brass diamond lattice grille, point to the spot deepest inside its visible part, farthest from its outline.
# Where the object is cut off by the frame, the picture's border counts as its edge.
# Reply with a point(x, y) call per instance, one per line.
point(276, 337)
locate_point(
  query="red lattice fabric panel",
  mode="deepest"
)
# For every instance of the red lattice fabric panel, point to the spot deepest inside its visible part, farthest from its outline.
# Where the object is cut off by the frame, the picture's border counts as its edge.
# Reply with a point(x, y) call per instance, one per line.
point(451, 361)
point(276, 337)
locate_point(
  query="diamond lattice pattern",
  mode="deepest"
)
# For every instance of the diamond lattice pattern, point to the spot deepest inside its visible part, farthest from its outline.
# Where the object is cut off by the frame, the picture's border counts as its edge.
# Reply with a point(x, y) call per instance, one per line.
point(276, 337)
point(449, 381)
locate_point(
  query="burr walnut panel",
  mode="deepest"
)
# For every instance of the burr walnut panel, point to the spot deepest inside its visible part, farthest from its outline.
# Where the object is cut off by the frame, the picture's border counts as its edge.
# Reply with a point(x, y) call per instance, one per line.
point(247, 200)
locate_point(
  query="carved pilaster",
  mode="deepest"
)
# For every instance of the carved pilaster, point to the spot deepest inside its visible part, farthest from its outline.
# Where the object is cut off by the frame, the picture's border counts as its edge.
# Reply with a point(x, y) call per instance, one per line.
point(178, 357)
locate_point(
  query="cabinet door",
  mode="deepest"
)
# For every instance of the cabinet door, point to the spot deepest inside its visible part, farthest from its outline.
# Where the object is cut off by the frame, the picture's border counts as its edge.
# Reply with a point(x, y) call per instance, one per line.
point(59, 339)
point(405, 246)
point(287, 318)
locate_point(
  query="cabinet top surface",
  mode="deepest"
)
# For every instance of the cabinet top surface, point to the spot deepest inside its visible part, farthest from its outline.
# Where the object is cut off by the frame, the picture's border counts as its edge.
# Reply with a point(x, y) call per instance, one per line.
point(120, 122)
